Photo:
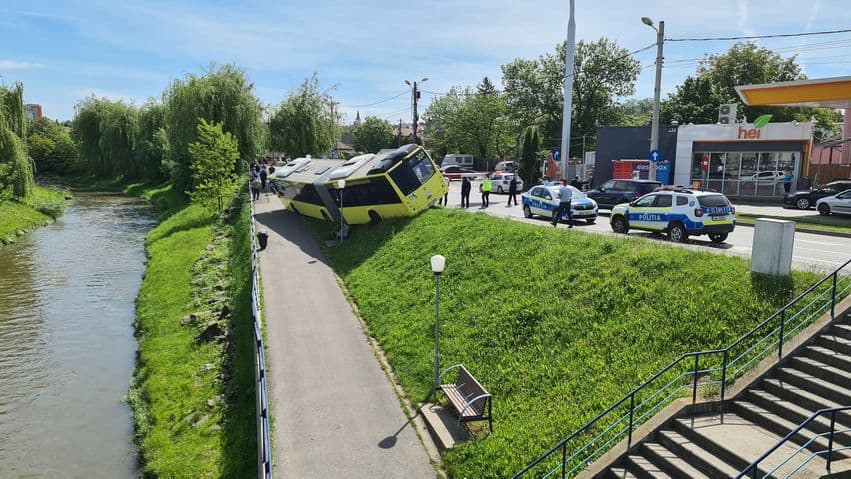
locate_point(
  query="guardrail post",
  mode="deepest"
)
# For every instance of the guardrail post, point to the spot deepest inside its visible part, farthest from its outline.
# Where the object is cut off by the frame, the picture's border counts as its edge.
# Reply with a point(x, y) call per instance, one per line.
point(563, 460)
point(782, 326)
point(833, 298)
point(830, 439)
point(694, 384)
point(724, 380)
point(631, 410)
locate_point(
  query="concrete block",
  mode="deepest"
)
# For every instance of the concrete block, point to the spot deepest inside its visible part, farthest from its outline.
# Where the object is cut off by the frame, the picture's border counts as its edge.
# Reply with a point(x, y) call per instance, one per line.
point(443, 426)
point(772, 247)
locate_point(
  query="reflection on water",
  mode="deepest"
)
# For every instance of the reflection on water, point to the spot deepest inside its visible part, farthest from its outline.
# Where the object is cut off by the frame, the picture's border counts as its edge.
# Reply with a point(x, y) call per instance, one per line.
point(67, 295)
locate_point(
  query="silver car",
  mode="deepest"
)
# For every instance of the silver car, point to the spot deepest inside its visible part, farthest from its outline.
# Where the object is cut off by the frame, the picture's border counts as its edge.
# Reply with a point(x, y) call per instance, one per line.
point(501, 182)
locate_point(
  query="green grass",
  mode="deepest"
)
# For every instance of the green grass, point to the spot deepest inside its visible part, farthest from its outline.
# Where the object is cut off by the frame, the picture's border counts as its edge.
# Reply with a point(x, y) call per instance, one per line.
point(833, 223)
point(194, 258)
point(43, 206)
point(557, 325)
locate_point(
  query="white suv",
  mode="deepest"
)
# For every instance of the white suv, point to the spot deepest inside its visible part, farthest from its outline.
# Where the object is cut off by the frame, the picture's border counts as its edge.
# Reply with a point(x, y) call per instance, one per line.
point(680, 213)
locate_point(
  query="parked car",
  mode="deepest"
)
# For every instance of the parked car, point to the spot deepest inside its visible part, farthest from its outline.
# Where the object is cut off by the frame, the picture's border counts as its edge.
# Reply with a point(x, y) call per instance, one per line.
point(502, 181)
point(455, 172)
point(614, 192)
point(764, 178)
point(679, 213)
point(807, 198)
point(835, 205)
point(506, 167)
point(543, 201)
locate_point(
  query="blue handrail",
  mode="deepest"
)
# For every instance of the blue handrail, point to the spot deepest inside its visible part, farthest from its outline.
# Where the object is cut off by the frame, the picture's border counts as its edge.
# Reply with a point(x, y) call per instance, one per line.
point(733, 362)
point(264, 435)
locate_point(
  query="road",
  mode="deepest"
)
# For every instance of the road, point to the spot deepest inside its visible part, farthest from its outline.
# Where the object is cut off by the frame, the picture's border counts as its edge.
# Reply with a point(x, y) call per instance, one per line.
point(812, 252)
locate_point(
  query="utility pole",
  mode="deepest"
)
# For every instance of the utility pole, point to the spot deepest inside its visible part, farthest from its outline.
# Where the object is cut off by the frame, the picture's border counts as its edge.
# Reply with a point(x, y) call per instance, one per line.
point(399, 134)
point(657, 91)
point(415, 95)
point(567, 111)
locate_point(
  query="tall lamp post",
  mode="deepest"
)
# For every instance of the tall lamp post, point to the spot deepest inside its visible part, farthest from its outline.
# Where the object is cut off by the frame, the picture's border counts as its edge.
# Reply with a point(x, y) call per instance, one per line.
point(657, 90)
point(415, 96)
point(341, 184)
point(438, 262)
point(567, 108)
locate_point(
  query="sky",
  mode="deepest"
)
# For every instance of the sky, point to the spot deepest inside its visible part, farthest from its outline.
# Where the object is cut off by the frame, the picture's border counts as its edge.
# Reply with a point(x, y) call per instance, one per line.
point(363, 51)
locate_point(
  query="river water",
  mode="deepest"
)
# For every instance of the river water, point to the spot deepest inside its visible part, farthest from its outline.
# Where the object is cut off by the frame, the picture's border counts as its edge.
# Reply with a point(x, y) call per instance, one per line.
point(67, 349)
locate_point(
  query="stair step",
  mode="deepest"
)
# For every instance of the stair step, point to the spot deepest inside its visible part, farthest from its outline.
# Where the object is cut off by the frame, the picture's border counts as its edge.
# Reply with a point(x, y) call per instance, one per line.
point(830, 357)
point(817, 385)
point(698, 434)
point(792, 411)
point(820, 370)
point(645, 469)
point(695, 454)
point(800, 396)
point(620, 473)
point(840, 329)
point(835, 343)
point(669, 461)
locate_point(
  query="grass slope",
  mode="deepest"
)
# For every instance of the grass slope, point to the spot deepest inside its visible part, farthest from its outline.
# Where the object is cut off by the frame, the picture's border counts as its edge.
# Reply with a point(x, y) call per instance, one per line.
point(193, 400)
point(557, 325)
point(43, 206)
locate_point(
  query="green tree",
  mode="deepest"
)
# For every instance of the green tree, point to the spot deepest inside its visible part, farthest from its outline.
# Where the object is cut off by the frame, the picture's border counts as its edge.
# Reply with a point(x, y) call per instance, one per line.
point(51, 148)
point(152, 143)
point(634, 112)
point(213, 160)
point(529, 161)
point(305, 123)
point(372, 135)
point(106, 132)
point(603, 71)
point(16, 168)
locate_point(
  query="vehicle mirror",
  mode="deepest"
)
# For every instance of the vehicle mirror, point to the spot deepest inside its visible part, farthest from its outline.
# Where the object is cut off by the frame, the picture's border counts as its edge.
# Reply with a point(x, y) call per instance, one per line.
point(602, 189)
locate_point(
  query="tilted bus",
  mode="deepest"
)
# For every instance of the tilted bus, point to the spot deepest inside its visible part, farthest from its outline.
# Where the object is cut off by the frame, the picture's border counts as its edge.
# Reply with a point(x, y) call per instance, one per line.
point(397, 183)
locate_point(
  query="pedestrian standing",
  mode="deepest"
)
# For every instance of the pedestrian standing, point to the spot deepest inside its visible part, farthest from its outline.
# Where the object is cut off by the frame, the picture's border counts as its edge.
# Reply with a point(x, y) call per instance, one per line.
point(255, 183)
point(576, 183)
point(466, 186)
point(446, 195)
point(512, 190)
point(263, 176)
point(565, 194)
point(787, 181)
point(485, 188)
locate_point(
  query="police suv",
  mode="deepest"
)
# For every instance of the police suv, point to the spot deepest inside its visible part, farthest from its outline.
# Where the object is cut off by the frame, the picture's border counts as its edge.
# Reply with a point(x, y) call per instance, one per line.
point(679, 212)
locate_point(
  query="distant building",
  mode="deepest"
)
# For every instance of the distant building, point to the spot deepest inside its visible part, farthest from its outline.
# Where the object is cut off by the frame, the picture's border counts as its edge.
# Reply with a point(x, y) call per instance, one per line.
point(407, 130)
point(33, 111)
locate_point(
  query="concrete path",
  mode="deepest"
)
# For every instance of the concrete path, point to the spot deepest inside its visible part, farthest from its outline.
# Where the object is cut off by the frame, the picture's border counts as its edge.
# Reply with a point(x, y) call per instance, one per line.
point(335, 412)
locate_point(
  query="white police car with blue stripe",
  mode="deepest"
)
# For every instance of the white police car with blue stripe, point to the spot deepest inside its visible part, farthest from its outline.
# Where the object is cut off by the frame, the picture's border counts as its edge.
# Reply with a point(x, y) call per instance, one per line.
point(543, 201)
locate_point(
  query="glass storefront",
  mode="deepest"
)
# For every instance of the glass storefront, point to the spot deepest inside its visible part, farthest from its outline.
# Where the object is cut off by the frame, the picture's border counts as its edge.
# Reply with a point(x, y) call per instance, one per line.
point(743, 173)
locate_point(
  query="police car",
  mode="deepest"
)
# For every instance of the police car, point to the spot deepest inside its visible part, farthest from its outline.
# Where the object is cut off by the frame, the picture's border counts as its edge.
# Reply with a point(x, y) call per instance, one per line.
point(543, 201)
point(680, 213)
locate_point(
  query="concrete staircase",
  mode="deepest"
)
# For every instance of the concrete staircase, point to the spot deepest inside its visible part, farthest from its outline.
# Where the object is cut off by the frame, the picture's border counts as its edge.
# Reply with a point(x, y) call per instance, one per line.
point(711, 445)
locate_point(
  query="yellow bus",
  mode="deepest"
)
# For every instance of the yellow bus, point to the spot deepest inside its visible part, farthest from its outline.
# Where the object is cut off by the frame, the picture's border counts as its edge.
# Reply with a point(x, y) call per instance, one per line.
point(397, 183)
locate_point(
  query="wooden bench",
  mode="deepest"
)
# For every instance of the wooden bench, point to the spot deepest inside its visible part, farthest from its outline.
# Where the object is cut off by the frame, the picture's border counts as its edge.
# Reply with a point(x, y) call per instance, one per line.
point(467, 396)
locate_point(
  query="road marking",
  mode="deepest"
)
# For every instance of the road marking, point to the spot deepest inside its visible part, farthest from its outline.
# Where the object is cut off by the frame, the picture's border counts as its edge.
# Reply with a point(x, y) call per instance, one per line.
point(819, 260)
point(799, 248)
point(823, 243)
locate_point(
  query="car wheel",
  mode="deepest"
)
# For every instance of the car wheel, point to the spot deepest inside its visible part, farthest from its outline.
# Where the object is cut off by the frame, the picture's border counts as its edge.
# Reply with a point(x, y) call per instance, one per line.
point(718, 237)
point(499, 190)
point(824, 209)
point(527, 212)
point(677, 233)
point(803, 204)
point(590, 221)
point(619, 225)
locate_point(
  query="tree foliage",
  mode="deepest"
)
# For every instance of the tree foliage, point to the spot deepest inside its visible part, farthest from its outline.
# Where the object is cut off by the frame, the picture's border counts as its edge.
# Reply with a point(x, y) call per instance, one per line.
point(372, 135)
point(530, 145)
point(152, 143)
point(106, 132)
point(214, 161)
point(16, 168)
point(305, 123)
point(51, 148)
point(603, 71)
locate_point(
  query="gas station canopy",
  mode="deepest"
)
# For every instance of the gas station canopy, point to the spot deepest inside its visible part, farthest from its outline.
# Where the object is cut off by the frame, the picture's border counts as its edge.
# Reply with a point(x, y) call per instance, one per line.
point(824, 92)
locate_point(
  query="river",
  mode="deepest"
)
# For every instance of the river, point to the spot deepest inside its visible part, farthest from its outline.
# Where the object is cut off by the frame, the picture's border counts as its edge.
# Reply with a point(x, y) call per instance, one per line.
point(67, 351)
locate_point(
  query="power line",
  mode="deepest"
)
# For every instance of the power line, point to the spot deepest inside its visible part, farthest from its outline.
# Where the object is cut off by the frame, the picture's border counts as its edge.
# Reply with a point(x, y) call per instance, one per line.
point(756, 37)
point(380, 101)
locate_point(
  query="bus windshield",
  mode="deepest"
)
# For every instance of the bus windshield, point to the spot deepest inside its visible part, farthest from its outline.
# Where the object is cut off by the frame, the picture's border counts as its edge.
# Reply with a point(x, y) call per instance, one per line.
point(409, 174)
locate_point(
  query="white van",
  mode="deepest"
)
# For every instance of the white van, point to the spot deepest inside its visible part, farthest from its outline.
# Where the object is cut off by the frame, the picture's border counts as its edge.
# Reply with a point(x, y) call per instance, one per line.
point(465, 161)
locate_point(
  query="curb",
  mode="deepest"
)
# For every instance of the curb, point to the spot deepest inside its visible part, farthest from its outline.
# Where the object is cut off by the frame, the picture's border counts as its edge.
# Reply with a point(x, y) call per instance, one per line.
point(805, 230)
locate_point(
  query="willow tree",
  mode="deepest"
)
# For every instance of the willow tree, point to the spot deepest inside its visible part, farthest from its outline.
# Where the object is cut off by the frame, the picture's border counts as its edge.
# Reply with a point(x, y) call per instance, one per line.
point(223, 95)
point(305, 123)
point(16, 168)
point(106, 133)
point(152, 141)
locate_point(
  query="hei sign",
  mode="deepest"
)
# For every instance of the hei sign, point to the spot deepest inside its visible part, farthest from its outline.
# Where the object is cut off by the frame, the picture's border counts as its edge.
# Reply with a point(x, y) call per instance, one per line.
point(755, 132)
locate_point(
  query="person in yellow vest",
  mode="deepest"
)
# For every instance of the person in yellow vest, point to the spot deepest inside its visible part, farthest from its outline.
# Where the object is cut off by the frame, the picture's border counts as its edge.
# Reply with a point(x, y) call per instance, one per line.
point(486, 188)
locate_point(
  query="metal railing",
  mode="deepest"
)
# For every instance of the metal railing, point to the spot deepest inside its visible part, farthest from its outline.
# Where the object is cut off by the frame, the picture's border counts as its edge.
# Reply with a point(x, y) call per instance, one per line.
point(711, 371)
point(264, 436)
point(753, 469)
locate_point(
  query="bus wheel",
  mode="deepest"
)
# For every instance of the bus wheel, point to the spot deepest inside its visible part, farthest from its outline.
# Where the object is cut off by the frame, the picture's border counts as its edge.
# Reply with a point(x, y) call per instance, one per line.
point(374, 217)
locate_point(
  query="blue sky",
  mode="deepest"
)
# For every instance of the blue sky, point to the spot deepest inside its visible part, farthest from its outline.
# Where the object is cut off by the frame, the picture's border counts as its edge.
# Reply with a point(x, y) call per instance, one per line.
point(65, 50)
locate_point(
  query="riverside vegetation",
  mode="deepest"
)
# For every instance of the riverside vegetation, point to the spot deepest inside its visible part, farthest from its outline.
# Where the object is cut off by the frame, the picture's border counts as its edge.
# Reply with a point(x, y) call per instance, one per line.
point(557, 325)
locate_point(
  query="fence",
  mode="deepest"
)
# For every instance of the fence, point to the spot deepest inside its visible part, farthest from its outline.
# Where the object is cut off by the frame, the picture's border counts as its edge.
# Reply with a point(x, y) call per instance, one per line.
point(264, 439)
point(711, 371)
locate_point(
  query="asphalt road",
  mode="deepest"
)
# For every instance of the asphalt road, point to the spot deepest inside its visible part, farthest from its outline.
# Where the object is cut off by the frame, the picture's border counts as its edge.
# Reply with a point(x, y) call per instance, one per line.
point(812, 252)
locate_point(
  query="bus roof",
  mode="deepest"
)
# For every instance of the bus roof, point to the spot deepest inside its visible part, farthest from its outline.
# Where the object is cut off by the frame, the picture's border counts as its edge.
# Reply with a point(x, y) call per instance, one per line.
point(308, 170)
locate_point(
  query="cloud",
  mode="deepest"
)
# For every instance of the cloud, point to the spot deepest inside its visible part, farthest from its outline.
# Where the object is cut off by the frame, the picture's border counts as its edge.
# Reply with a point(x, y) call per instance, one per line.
point(16, 65)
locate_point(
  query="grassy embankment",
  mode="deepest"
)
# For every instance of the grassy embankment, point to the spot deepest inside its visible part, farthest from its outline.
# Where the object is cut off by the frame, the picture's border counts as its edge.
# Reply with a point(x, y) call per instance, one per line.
point(40, 208)
point(192, 393)
point(557, 325)
point(831, 224)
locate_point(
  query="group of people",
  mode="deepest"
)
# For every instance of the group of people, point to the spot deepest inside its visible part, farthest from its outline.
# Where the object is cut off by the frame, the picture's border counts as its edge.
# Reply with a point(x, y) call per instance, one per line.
point(259, 175)
point(485, 189)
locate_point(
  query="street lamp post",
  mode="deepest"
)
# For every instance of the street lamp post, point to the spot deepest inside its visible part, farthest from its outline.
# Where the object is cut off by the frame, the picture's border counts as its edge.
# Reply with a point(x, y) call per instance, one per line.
point(657, 90)
point(341, 184)
point(567, 108)
point(438, 263)
point(415, 96)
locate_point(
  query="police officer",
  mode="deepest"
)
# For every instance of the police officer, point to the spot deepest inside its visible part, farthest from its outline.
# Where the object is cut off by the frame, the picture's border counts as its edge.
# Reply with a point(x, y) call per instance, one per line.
point(485, 188)
point(512, 190)
point(565, 194)
point(466, 186)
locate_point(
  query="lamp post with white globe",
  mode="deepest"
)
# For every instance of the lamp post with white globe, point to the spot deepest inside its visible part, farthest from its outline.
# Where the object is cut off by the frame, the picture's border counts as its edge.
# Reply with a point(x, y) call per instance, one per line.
point(438, 263)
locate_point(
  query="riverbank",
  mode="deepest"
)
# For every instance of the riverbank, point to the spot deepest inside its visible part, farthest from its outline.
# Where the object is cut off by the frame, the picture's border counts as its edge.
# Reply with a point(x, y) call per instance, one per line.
point(192, 393)
point(20, 217)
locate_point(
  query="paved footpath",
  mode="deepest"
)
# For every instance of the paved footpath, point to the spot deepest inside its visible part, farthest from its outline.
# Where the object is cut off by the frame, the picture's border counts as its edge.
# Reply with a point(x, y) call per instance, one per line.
point(335, 412)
